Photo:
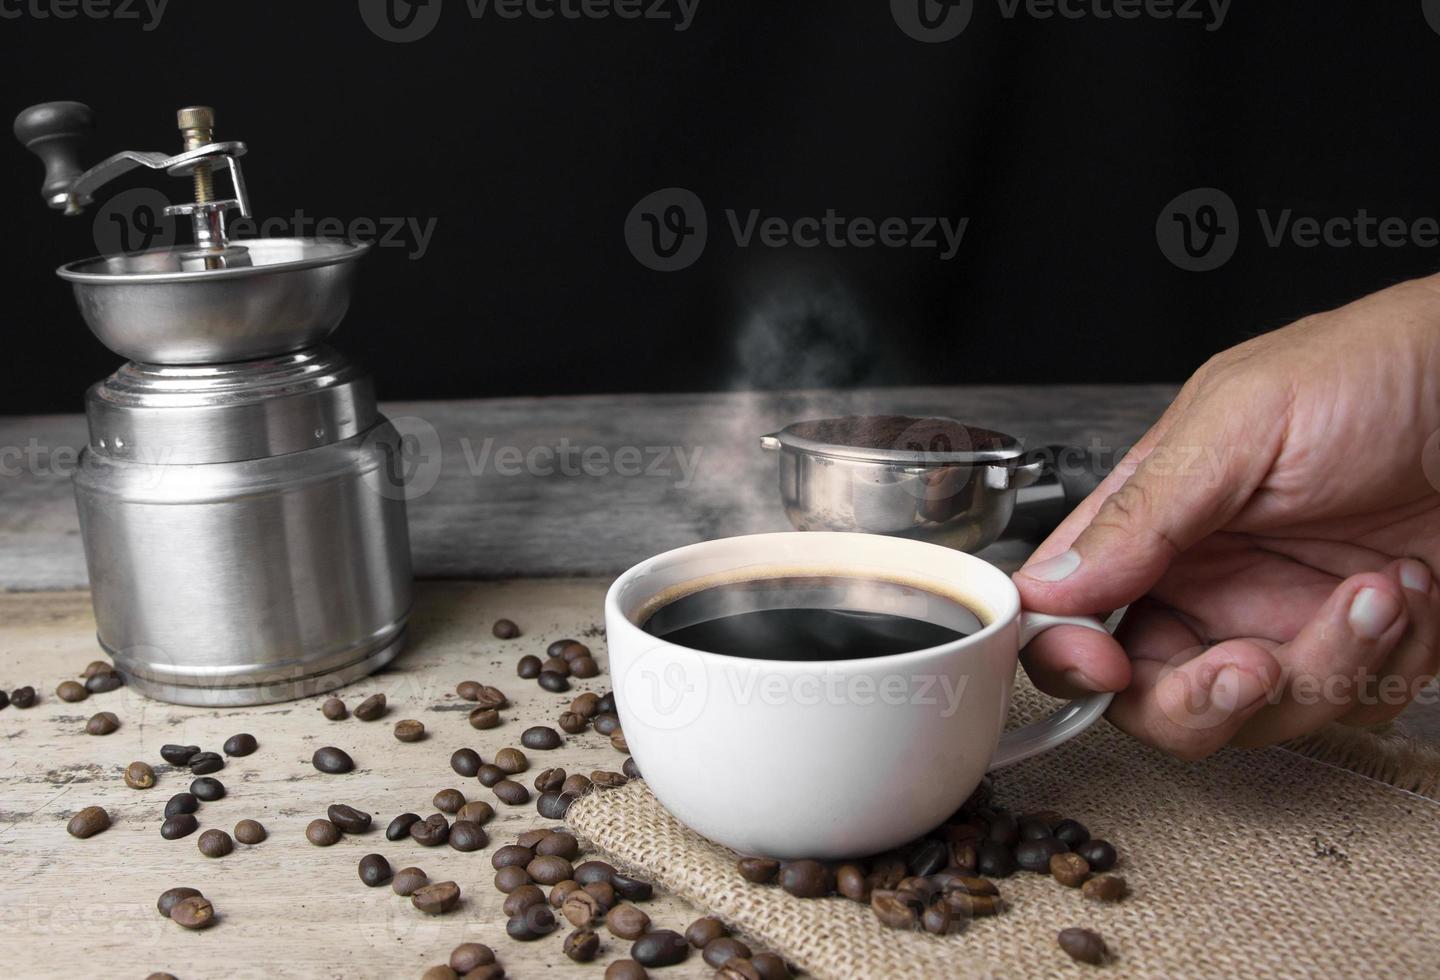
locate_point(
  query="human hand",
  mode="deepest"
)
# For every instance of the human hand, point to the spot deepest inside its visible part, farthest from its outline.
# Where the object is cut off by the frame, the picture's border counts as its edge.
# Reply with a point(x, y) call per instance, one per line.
point(1273, 535)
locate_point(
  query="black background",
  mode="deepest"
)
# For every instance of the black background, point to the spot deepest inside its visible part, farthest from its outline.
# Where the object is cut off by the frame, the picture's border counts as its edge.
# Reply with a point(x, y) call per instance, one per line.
point(530, 140)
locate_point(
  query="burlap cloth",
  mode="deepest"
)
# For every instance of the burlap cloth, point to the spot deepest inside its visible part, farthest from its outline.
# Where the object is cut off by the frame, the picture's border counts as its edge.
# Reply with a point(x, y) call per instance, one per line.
point(1257, 864)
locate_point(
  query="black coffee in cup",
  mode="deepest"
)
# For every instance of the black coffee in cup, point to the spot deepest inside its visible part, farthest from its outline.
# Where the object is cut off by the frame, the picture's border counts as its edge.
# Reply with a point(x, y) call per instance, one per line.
point(812, 617)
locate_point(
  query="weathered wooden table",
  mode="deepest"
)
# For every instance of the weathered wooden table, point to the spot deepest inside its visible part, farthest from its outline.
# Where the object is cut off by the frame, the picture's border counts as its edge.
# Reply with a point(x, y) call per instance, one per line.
point(534, 503)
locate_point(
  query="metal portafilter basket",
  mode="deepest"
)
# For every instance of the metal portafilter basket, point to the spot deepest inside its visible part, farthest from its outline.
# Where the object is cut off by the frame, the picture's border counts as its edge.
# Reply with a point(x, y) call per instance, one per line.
point(241, 497)
point(931, 478)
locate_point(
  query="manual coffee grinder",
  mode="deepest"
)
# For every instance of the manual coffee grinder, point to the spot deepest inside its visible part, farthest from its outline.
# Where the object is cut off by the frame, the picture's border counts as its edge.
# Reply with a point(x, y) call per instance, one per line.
point(241, 498)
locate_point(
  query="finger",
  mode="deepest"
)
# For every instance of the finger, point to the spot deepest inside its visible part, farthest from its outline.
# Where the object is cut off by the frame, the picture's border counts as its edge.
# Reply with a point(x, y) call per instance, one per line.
point(1414, 661)
point(1071, 661)
point(1354, 632)
point(1198, 477)
point(1194, 704)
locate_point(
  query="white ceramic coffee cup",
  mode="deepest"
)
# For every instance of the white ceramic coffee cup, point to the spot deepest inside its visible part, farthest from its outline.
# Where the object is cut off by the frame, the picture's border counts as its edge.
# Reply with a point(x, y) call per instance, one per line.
point(828, 759)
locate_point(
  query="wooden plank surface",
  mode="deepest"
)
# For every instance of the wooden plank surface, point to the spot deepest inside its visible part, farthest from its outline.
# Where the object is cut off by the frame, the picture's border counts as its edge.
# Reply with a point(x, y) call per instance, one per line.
point(664, 470)
point(286, 908)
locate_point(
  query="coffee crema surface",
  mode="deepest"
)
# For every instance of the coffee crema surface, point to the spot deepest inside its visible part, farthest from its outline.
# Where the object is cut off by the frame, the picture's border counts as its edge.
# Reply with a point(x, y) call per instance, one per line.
point(812, 618)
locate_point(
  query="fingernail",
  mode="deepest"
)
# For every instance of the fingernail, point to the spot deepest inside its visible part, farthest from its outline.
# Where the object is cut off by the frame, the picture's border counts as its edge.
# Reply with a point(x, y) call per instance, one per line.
point(1414, 576)
point(1372, 612)
point(1234, 689)
point(1077, 678)
point(1053, 569)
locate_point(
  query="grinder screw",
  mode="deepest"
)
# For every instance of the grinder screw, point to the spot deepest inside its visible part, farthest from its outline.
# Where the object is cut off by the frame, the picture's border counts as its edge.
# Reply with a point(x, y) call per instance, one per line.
point(197, 127)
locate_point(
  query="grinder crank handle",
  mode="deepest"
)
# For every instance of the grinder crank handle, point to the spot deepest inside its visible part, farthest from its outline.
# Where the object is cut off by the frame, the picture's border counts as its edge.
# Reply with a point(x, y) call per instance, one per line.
point(1069, 475)
point(55, 132)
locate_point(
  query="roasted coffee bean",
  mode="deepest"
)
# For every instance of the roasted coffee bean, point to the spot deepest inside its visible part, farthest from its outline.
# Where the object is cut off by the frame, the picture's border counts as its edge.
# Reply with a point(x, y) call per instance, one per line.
point(204, 763)
point(663, 947)
point(1105, 888)
point(605, 779)
point(101, 683)
point(468, 690)
point(585, 667)
point(1035, 855)
point(964, 857)
point(97, 667)
point(250, 832)
point(606, 723)
point(1003, 828)
point(406, 880)
point(704, 931)
point(850, 881)
point(627, 922)
point(181, 803)
point(631, 889)
point(1071, 833)
point(557, 649)
point(178, 826)
point(581, 908)
point(582, 945)
point(23, 697)
point(894, 910)
point(553, 806)
point(332, 760)
point(489, 774)
point(631, 769)
point(555, 683)
point(562, 891)
point(1031, 829)
point(532, 837)
point(433, 831)
point(449, 800)
point(491, 697)
point(603, 893)
point(556, 665)
point(511, 877)
point(995, 860)
point(207, 788)
point(1082, 945)
point(594, 871)
point(528, 667)
point(586, 705)
point(471, 956)
point(572, 724)
point(4, 700)
point(576, 785)
point(549, 780)
point(522, 898)
point(194, 912)
point(720, 951)
point(171, 897)
point(505, 629)
point(240, 745)
point(465, 762)
point(215, 843)
point(436, 899)
point(738, 968)
point(625, 970)
point(617, 741)
point(483, 718)
point(399, 828)
point(348, 819)
point(559, 844)
point(805, 879)
point(971, 885)
point(477, 812)
point(761, 871)
point(322, 833)
point(887, 871)
point(1070, 870)
point(549, 869)
point(929, 857)
point(374, 870)
point(371, 708)
point(532, 924)
point(409, 730)
point(511, 855)
point(467, 836)
point(972, 906)
point(103, 723)
point(938, 920)
point(513, 761)
point(770, 967)
point(441, 972)
point(541, 737)
point(71, 691)
point(334, 709)
point(511, 792)
point(139, 775)
point(1099, 853)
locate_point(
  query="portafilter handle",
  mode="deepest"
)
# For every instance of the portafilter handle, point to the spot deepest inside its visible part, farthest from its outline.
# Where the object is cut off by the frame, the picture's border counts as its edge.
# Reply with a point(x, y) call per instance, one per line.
point(55, 132)
point(1068, 475)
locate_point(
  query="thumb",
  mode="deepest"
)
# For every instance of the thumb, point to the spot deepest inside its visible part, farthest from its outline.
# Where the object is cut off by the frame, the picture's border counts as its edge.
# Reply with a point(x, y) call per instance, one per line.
point(1191, 483)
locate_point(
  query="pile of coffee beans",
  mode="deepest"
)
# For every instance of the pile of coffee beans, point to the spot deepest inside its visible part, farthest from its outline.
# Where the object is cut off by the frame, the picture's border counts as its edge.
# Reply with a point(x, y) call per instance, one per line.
point(488, 702)
point(186, 907)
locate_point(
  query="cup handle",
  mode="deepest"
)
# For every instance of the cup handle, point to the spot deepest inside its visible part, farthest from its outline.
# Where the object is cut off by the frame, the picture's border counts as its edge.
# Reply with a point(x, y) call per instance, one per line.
point(1064, 724)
